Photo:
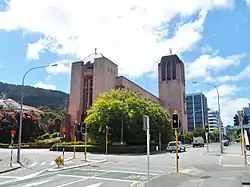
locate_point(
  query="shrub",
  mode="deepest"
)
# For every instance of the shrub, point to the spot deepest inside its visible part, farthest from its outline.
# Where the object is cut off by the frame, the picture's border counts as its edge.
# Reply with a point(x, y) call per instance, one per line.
point(45, 136)
point(102, 149)
point(55, 135)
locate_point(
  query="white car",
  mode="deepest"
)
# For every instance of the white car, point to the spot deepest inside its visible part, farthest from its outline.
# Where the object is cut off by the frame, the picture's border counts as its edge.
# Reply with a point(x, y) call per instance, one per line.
point(172, 147)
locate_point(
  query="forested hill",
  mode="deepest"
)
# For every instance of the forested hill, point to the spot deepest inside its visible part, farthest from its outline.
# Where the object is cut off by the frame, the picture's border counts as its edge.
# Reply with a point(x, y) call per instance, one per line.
point(35, 97)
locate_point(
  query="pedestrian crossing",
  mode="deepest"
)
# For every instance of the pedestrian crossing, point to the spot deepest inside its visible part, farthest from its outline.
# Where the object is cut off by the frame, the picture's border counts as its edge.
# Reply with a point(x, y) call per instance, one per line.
point(48, 163)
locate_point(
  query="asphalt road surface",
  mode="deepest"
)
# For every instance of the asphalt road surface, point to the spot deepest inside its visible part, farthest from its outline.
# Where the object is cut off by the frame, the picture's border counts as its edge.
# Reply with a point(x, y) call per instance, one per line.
point(196, 168)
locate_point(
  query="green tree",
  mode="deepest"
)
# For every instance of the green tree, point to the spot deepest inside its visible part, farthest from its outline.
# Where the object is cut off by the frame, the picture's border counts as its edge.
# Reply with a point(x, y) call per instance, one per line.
point(199, 132)
point(188, 137)
point(216, 135)
point(108, 110)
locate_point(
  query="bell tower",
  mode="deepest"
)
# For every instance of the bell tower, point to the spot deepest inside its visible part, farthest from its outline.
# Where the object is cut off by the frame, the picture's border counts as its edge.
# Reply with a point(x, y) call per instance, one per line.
point(171, 84)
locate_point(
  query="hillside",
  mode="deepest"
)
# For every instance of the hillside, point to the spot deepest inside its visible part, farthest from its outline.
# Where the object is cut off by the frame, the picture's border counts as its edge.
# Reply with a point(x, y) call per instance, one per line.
point(35, 96)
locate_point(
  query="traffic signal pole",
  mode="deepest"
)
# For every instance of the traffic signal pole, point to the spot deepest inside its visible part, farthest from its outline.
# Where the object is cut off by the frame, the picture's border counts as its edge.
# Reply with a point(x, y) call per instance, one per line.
point(176, 125)
point(243, 143)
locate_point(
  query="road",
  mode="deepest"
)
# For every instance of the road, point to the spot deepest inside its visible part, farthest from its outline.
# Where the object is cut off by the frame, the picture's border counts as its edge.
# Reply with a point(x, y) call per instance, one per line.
point(197, 168)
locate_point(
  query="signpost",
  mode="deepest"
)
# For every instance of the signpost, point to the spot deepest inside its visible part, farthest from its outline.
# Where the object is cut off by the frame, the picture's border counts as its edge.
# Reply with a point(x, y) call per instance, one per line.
point(12, 132)
point(147, 127)
point(64, 137)
point(176, 125)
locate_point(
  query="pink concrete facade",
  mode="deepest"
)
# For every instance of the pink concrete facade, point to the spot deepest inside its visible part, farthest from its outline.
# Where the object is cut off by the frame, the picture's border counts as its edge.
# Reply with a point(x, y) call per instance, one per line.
point(97, 74)
point(171, 77)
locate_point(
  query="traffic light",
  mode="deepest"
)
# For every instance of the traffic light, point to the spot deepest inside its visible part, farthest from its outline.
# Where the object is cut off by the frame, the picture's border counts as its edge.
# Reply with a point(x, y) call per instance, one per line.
point(206, 128)
point(245, 120)
point(175, 121)
point(236, 120)
point(84, 126)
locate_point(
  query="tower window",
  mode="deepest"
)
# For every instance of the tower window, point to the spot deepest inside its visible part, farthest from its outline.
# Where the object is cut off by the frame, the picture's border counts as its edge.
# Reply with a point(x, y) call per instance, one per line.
point(174, 69)
point(169, 70)
point(163, 70)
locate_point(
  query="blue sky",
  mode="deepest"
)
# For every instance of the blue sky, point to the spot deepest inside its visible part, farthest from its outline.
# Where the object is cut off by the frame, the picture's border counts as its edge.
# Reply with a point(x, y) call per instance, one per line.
point(211, 37)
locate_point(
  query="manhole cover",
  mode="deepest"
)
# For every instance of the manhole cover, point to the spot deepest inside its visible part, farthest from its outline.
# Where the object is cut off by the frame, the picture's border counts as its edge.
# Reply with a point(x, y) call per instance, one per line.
point(205, 177)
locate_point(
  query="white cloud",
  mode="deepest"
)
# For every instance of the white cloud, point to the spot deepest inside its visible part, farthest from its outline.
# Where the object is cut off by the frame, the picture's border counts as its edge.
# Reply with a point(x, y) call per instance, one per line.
point(228, 101)
point(244, 74)
point(128, 32)
point(247, 2)
point(205, 64)
point(45, 86)
point(62, 67)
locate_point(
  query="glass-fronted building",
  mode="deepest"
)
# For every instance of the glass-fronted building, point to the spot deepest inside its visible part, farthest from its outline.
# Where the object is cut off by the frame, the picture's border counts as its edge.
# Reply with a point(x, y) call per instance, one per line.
point(213, 120)
point(197, 112)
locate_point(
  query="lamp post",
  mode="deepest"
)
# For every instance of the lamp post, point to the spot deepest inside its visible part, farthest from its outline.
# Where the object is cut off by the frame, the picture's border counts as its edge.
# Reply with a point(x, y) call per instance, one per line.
point(218, 102)
point(122, 119)
point(21, 110)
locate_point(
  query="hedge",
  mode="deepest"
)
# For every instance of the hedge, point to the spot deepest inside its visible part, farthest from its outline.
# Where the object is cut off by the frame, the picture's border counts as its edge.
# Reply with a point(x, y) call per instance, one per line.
point(43, 144)
point(102, 149)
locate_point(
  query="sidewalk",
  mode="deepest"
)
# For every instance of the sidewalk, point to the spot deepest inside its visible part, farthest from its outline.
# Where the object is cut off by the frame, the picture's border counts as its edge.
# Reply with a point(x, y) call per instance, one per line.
point(5, 162)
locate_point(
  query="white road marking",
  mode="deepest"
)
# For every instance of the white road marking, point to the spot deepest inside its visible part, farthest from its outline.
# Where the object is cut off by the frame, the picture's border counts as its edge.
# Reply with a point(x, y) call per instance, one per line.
point(220, 160)
point(33, 164)
point(129, 172)
point(8, 177)
point(227, 178)
point(31, 175)
point(111, 179)
point(73, 182)
point(52, 163)
point(226, 165)
point(95, 185)
point(37, 183)
point(43, 163)
point(152, 165)
point(135, 169)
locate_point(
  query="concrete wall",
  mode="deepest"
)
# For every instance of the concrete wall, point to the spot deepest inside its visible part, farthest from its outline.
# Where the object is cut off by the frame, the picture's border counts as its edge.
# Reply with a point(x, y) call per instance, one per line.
point(76, 91)
point(104, 79)
point(123, 82)
point(172, 91)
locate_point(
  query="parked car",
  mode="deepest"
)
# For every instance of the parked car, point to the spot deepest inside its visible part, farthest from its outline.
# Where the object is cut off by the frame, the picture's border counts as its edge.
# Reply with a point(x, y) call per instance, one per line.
point(172, 147)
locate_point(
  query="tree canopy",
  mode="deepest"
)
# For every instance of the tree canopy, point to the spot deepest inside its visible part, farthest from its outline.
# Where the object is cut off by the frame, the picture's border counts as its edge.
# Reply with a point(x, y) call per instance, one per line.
point(108, 110)
point(35, 97)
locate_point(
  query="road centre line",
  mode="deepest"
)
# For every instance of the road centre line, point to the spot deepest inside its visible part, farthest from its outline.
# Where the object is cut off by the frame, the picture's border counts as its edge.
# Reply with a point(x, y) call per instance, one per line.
point(129, 172)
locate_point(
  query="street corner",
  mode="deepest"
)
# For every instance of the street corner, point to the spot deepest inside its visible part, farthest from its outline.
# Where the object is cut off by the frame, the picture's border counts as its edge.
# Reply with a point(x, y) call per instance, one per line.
point(8, 168)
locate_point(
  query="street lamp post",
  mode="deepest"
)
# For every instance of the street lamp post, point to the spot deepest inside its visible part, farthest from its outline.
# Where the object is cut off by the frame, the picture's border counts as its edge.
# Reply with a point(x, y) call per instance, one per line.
point(21, 111)
point(218, 102)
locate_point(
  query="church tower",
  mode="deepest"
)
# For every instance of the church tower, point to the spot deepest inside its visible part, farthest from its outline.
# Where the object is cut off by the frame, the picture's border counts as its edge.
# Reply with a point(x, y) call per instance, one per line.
point(171, 77)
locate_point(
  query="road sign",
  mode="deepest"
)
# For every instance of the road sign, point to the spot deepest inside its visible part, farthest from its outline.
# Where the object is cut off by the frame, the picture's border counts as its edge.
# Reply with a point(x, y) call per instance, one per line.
point(13, 132)
point(64, 129)
point(59, 161)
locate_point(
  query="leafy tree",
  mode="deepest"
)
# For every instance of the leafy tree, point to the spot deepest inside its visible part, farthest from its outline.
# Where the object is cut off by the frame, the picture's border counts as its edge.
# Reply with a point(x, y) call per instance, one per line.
point(35, 96)
point(216, 135)
point(199, 132)
point(188, 137)
point(108, 110)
